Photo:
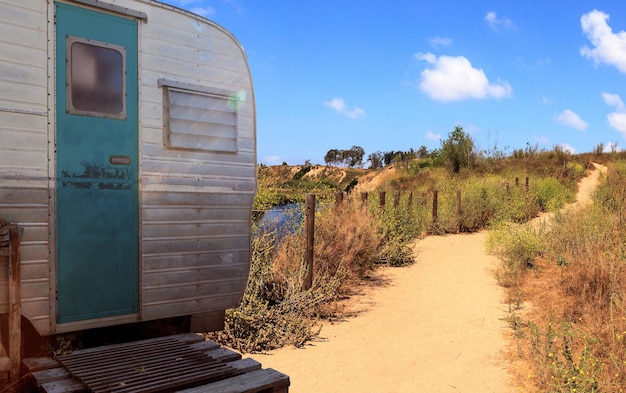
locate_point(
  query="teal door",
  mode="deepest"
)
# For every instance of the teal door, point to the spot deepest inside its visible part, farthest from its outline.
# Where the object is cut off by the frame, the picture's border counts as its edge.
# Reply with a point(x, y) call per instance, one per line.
point(96, 164)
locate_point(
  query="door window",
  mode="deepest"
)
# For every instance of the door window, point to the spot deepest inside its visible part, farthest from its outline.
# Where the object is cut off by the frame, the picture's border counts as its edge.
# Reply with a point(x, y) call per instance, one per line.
point(96, 83)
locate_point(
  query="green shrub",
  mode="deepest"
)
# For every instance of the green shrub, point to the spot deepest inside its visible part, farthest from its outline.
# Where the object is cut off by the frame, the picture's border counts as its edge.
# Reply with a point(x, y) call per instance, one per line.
point(517, 246)
point(402, 219)
point(551, 194)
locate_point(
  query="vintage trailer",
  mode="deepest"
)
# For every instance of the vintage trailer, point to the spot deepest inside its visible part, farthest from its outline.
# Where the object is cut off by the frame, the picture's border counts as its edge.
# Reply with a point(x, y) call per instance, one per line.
point(127, 155)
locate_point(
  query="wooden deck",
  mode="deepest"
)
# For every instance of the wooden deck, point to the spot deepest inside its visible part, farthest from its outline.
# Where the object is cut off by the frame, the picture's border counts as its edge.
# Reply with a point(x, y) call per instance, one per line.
point(185, 363)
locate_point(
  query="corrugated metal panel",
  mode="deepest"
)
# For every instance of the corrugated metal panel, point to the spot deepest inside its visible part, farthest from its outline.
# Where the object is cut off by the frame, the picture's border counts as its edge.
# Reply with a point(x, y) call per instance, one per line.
point(24, 149)
point(196, 248)
point(195, 204)
point(29, 208)
point(23, 58)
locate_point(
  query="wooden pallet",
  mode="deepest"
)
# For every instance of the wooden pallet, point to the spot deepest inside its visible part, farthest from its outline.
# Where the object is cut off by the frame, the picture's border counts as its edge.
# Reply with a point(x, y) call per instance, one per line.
point(205, 367)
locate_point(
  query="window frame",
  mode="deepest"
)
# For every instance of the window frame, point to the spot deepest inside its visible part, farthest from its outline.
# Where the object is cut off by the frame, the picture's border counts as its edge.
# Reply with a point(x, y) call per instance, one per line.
point(224, 96)
point(69, 105)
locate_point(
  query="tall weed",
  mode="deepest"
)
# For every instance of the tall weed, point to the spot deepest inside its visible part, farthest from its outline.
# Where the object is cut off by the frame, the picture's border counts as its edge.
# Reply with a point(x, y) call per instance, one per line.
point(275, 310)
point(575, 337)
point(517, 246)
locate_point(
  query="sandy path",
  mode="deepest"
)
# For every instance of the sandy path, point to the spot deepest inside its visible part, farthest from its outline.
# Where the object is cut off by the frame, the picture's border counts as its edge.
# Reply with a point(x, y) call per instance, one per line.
point(433, 327)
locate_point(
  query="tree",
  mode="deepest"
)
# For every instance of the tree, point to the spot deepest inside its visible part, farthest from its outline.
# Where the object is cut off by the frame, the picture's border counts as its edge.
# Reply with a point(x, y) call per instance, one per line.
point(376, 160)
point(332, 157)
point(422, 152)
point(458, 150)
point(354, 157)
point(351, 158)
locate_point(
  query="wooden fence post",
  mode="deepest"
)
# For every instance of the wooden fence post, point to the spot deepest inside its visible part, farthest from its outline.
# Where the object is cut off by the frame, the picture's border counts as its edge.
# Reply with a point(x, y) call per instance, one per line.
point(396, 199)
point(382, 201)
point(364, 196)
point(309, 229)
point(339, 199)
point(435, 195)
point(15, 303)
point(458, 211)
point(409, 202)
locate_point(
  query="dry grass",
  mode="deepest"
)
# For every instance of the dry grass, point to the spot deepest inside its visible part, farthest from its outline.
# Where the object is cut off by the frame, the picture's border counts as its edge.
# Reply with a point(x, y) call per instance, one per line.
point(571, 333)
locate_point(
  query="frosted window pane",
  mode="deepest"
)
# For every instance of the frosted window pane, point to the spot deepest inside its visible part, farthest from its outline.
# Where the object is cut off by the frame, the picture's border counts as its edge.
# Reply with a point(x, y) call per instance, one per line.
point(97, 79)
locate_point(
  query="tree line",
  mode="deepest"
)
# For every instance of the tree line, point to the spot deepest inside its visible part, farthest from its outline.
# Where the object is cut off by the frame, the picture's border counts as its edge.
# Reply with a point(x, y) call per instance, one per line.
point(456, 151)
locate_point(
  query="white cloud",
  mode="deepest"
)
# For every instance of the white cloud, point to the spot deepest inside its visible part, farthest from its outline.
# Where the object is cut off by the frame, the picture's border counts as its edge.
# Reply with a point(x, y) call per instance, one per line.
point(431, 136)
point(542, 140)
point(611, 147)
point(339, 105)
point(614, 100)
point(440, 41)
point(182, 3)
point(617, 119)
point(567, 148)
point(204, 11)
point(609, 47)
point(571, 118)
point(454, 78)
point(495, 23)
point(545, 100)
point(273, 160)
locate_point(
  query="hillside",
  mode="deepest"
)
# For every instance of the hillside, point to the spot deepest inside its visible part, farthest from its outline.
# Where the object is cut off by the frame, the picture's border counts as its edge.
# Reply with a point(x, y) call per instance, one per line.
point(340, 177)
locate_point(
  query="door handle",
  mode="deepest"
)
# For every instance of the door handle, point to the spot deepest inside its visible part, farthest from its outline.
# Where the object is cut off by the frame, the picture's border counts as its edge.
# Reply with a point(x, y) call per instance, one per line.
point(119, 160)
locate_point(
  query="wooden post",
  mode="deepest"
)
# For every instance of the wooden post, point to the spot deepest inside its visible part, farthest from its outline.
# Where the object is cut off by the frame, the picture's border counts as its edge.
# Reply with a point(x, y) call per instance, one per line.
point(396, 199)
point(516, 181)
point(339, 199)
point(364, 196)
point(309, 228)
point(458, 211)
point(15, 303)
point(381, 203)
point(435, 192)
point(409, 202)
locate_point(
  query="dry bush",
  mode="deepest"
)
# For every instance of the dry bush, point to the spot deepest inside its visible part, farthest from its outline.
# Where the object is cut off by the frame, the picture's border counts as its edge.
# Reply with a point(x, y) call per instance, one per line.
point(573, 338)
point(276, 311)
point(346, 242)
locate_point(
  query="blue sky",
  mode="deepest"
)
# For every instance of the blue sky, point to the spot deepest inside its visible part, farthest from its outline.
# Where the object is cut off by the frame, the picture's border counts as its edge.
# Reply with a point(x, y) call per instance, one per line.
point(396, 75)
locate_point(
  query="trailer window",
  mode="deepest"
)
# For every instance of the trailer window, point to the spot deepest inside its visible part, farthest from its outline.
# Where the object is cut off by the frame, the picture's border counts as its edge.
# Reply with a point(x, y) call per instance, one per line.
point(95, 79)
point(200, 120)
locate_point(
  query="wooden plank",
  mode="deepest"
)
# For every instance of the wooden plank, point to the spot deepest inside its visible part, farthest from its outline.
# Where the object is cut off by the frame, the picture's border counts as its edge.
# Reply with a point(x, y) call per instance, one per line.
point(64, 386)
point(40, 363)
point(205, 346)
point(5, 364)
point(252, 382)
point(224, 355)
point(245, 365)
point(53, 374)
point(15, 303)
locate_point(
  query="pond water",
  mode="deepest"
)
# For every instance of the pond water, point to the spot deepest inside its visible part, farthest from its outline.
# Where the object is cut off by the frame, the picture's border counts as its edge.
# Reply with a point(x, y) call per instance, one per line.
point(281, 219)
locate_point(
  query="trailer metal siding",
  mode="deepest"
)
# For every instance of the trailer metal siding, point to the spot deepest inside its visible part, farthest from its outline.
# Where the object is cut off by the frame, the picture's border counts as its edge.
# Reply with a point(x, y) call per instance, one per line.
point(24, 149)
point(194, 205)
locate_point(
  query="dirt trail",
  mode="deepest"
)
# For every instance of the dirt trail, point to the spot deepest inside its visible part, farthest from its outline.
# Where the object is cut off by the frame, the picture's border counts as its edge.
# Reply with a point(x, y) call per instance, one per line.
point(432, 327)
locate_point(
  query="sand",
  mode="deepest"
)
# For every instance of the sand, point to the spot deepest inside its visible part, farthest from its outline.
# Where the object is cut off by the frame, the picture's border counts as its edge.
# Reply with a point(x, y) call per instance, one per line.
point(435, 326)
